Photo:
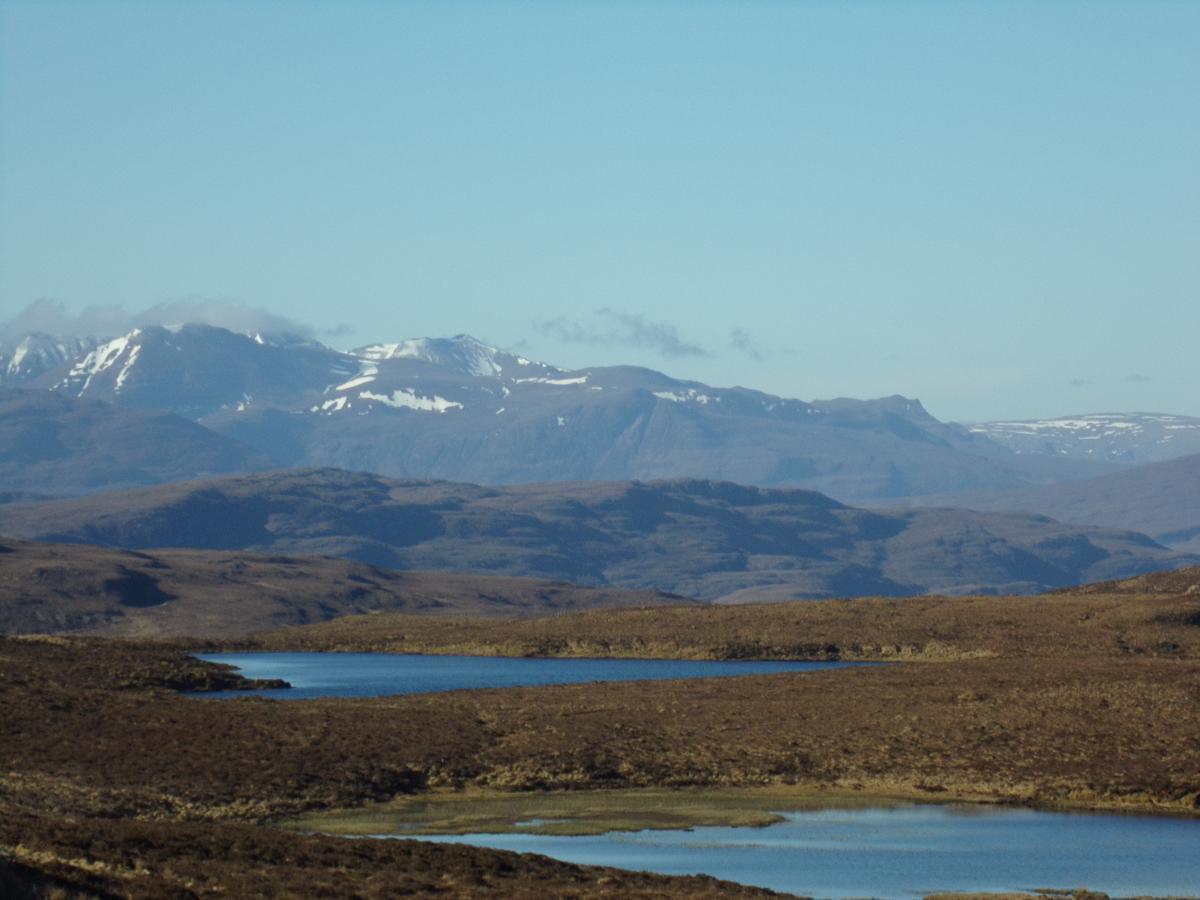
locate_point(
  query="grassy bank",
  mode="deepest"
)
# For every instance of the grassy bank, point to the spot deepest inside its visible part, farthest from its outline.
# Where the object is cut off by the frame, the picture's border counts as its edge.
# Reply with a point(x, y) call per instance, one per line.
point(1086, 625)
point(586, 812)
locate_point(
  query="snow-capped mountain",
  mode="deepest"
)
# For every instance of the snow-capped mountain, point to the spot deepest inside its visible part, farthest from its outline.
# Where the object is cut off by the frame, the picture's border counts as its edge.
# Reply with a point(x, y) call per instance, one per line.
point(458, 409)
point(1113, 437)
point(28, 357)
point(197, 370)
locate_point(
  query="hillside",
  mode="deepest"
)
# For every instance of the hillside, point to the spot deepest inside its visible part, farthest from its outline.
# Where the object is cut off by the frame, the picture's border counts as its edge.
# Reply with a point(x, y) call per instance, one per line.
point(59, 445)
point(708, 540)
point(61, 588)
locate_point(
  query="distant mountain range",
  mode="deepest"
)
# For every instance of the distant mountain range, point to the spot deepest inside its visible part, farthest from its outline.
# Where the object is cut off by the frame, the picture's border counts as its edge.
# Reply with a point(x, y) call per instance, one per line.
point(460, 410)
point(1129, 438)
point(702, 539)
point(1160, 499)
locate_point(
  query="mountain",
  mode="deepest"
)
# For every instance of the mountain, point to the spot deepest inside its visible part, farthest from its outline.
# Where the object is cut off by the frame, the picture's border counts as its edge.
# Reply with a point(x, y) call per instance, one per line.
point(703, 539)
point(58, 445)
point(1159, 499)
point(1128, 438)
point(198, 370)
point(458, 409)
point(26, 358)
point(61, 588)
point(461, 411)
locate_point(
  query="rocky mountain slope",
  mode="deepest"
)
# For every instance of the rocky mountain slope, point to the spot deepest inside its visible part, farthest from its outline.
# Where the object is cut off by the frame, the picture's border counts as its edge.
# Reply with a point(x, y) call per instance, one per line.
point(709, 540)
point(26, 358)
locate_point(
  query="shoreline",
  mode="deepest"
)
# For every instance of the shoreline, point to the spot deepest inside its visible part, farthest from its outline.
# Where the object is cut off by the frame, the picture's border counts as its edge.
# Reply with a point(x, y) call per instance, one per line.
point(572, 812)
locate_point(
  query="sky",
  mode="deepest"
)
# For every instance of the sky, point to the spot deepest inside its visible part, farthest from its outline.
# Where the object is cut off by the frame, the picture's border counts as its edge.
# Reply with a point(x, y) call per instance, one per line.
point(993, 207)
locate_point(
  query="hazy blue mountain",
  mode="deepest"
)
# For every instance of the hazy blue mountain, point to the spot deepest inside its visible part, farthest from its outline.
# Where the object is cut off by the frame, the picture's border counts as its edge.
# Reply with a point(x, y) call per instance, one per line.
point(703, 539)
point(58, 445)
point(1160, 499)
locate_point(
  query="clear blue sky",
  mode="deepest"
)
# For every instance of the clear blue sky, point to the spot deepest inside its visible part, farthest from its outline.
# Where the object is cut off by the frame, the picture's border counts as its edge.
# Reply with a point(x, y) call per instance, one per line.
point(994, 207)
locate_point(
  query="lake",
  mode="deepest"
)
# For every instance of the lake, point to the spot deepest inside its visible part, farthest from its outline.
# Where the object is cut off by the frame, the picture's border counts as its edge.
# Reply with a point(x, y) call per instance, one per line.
point(378, 674)
point(906, 850)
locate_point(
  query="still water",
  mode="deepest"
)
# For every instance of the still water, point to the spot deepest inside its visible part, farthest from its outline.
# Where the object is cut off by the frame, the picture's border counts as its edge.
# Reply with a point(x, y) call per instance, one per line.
point(376, 674)
point(905, 851)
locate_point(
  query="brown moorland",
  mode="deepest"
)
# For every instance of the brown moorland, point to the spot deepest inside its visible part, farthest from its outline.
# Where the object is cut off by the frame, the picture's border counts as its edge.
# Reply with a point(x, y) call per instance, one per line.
point(1151, 616)
point(1077, 699)
point(116, 785)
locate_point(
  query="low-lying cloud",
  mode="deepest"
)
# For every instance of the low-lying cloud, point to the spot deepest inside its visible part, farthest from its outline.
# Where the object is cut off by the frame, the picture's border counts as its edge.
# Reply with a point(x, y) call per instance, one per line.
point(612, 327)
point(53, 317)
point(741, 341)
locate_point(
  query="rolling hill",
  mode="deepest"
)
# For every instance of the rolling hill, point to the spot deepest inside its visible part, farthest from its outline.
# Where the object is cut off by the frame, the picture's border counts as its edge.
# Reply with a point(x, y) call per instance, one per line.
point(702, 539)
point(72, 588)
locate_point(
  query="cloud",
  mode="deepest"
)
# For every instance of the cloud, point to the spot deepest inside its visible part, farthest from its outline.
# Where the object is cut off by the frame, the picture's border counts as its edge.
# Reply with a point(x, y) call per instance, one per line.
point(741, 341)
point(616, 328)
point(53, 317)
point(1138, 378)
point(1080, 382)
point(340, 330)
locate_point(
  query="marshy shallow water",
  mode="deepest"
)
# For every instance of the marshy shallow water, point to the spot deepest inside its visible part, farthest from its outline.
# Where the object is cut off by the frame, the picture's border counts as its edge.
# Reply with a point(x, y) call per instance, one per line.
point(904, 850)
point(379, 674)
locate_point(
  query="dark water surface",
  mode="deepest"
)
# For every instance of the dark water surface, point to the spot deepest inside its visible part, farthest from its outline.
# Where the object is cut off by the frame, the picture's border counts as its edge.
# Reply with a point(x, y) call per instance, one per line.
point(905, 851)
point(377, 674)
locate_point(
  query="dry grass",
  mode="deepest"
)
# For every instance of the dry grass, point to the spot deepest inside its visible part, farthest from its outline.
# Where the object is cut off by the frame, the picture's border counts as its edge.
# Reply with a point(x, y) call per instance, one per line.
point(1087, 625)
point(1087, 701)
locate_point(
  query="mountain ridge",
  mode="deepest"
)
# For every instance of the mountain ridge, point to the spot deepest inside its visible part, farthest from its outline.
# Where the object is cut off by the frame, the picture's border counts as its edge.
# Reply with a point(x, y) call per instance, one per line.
point(704, 539)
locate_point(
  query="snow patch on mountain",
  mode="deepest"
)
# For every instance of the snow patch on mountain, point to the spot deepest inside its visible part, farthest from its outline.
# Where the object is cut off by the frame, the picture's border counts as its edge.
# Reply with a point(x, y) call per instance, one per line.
point(1119, 437)
point(36, 353)
point(409, 399)
point(99, 360)
point(580, 379)
point(462, 353)
point(366, 375)
point(125, 369)
point(691, 395)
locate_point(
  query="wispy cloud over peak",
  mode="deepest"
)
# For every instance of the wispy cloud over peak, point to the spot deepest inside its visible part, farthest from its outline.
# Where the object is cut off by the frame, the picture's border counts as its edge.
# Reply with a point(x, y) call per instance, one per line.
point(53, 317)
point(741, 341)
point(612, 327)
